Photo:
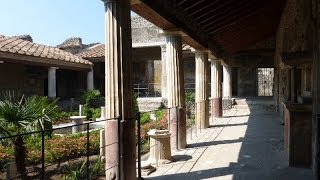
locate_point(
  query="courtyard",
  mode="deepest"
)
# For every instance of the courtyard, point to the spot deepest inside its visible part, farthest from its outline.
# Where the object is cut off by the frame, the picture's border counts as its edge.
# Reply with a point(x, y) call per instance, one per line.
point(247, 143)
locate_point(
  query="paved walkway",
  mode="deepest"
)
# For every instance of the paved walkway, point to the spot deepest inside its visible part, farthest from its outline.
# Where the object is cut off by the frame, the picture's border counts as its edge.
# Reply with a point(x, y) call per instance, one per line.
point(246, 144)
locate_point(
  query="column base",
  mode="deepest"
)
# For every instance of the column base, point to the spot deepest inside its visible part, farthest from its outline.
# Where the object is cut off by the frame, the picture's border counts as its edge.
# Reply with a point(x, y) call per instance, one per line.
point(177, 127)
point(126, 137)
point(202, 114)
point(112, 149)
point(216, 107)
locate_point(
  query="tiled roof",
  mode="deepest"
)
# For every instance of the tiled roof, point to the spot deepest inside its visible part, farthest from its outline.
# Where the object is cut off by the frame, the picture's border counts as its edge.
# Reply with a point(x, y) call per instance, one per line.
point(14, 48)
point(95, 51)
point(98, 51)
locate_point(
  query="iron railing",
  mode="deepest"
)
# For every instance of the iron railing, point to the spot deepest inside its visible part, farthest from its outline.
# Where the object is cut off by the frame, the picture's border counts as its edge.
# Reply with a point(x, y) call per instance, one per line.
point(45, 168)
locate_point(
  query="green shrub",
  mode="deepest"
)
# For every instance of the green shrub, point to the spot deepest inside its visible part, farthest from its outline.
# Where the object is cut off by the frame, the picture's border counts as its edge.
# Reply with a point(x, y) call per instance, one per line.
point(190, 97)
point(160, 113)
point(144, 118)
point(57, 148)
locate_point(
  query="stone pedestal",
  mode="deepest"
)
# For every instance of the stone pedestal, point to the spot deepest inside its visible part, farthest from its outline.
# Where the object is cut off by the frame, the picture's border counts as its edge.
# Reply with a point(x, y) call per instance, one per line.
point(202, 94)
point(77, 120)
point(160, 150)
point(52, 89)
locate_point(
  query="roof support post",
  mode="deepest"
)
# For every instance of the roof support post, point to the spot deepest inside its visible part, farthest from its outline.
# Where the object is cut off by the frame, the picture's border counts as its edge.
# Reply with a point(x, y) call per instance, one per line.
point(90, 80)
point(52, 82)
point(163, 72)
point(216, 79)
point(227, 83)
point(202, 93)
point(175, 91)
point(316, 92)
point(119, 137)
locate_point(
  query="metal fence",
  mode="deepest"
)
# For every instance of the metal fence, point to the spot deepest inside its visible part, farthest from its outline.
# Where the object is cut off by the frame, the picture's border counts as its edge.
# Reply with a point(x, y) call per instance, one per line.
point(48, 165)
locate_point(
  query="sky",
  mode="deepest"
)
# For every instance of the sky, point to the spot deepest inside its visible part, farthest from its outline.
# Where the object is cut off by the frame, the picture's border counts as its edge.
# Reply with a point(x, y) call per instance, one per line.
point(50, 22)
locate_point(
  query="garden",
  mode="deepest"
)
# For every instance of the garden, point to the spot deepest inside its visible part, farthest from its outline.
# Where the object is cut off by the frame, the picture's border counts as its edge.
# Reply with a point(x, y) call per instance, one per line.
point(65, 157)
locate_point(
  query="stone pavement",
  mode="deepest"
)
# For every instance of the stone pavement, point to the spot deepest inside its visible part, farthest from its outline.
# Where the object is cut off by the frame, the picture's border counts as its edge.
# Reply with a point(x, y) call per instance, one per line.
point(246, 144)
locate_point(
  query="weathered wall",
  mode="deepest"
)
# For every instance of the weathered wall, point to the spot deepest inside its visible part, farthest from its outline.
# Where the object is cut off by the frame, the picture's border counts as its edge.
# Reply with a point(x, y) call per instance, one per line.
point(247, 85)
point(296, 34)
point(25, 79)
point(144, 32)
point(70, 84)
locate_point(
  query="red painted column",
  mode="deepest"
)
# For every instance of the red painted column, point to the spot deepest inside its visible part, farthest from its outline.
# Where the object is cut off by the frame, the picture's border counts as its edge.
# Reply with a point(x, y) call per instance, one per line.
point(216, 99)
point(175, 91)
point(120, 130)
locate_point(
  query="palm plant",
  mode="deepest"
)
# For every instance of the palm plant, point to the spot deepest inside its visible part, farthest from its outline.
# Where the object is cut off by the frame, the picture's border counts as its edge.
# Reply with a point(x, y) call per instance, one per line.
point(20, 114)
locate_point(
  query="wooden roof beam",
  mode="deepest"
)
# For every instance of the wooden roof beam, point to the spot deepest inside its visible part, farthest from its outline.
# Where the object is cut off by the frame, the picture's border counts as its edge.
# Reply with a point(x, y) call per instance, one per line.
point(231, 12)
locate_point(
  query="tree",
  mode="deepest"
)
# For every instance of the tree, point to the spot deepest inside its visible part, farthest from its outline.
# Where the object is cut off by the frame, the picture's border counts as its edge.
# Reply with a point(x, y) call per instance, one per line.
point(20, 114)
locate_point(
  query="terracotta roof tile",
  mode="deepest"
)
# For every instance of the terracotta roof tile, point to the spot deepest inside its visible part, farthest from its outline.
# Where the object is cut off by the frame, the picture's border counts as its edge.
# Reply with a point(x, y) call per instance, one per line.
point(95, 51)
point(15, 45)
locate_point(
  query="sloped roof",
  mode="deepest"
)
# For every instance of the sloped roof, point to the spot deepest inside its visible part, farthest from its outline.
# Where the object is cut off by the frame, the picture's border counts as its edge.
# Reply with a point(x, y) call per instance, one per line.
point(96, 51)
point(22, 50)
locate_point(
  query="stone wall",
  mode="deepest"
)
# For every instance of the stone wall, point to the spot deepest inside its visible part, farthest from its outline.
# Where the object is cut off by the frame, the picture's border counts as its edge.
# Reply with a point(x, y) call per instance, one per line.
point(247, 82)
point(25, 79)
point(295, 35)
point(144, 32)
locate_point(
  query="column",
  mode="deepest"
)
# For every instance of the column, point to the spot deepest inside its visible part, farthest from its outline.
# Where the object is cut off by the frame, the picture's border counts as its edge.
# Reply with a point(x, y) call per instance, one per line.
point(227, 91)
point(120, 135)
point(175, 91)
point(293, 73)
point(303, 79)
point(90, 80)
point(216, 100)
point(202, 94)
point(52, 82)
point(316, 94)
point(163, 72)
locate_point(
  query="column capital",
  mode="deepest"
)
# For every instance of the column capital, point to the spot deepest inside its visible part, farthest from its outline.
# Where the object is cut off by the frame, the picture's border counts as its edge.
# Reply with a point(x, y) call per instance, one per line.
point(53, 68)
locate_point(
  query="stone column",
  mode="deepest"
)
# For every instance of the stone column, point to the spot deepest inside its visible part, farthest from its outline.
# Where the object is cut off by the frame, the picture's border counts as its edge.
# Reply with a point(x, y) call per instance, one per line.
point(163, 73)
point(175, 91)
point(90, 80)
point(316, 92)
point(216, 77)
point(119, 136)
point(202, 94)
point(303, 79)
point(52, 82)
point(227, 86)
point(293, 93)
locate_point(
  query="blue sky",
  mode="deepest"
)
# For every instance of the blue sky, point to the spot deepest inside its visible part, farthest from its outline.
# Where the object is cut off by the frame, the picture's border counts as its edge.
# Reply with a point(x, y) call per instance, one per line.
point(50, 22)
